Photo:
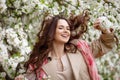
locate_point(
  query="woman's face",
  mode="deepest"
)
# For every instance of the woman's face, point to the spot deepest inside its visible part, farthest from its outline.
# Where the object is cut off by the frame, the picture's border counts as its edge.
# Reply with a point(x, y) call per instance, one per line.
point(62, 33)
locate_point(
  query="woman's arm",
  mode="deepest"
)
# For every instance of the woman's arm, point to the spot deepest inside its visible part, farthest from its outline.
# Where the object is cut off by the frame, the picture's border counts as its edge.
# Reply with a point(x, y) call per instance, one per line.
point(103, 45)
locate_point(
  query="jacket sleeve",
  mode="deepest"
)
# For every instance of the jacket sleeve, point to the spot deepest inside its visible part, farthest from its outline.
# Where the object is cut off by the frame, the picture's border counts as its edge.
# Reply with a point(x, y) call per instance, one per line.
point(39, 74)
point(103, 45)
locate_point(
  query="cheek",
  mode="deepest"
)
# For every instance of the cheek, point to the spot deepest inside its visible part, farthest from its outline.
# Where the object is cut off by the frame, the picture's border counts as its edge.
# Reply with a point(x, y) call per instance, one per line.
point(69, 33)
point(57, 34)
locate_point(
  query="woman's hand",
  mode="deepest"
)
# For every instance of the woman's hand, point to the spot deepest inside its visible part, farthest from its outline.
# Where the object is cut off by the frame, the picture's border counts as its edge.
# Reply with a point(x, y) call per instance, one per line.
point(20, 77)
point(97, 25)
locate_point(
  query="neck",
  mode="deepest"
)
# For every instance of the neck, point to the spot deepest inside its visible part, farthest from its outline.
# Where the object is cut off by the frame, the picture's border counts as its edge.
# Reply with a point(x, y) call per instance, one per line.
point(58, 50)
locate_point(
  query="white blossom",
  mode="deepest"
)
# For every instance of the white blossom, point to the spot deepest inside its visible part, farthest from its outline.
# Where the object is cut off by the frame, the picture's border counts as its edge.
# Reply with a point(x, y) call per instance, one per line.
point(17, 4)
point(105, 22)
point(3, 74)
point(2, 6)
point(3, 51)
point(19, 26)
point(24, 1)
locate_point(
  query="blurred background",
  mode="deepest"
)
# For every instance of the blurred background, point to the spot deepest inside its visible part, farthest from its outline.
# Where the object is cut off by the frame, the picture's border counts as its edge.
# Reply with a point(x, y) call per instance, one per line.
point(20, 21)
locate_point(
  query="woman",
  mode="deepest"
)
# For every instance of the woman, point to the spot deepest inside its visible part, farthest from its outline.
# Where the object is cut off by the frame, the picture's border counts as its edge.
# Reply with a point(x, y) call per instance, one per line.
point(59, 54)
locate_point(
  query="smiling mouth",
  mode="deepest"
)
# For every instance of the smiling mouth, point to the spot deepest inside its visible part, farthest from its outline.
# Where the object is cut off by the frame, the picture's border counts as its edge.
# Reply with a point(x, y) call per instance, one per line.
point(65, 36)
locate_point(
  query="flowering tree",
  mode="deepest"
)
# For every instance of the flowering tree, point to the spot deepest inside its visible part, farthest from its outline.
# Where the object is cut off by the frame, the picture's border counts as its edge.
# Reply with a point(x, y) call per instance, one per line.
point(20, 21)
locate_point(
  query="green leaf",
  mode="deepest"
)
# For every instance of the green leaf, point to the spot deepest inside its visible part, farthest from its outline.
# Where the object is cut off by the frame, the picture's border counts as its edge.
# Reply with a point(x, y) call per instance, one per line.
point(42, 1)
point(15, 55)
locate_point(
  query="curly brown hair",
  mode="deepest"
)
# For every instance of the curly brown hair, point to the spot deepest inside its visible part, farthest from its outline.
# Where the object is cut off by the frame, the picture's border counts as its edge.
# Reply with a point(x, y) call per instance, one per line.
point(46, 35)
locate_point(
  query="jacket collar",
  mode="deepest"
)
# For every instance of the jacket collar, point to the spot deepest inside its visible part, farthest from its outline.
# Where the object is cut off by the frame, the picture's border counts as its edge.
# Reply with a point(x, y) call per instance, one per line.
point(74, 59)
point(50, 68)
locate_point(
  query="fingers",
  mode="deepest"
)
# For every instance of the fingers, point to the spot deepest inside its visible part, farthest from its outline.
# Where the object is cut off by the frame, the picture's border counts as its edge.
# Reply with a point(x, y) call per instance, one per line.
point(111, 30)
point(20, 77)
point(97, 24)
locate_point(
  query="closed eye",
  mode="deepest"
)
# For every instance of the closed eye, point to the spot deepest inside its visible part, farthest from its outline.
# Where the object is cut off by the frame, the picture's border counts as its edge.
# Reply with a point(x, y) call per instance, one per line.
point(60, 27)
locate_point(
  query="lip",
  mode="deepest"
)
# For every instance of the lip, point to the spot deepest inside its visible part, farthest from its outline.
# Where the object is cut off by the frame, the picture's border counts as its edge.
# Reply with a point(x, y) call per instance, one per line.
point(65, 35)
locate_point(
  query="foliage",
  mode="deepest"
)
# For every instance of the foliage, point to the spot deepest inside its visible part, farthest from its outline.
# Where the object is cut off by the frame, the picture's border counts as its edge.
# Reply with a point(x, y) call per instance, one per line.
point(20, 21)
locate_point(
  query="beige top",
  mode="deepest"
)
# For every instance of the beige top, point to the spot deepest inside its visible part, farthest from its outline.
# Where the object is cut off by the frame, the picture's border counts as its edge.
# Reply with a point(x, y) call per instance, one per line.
point(64, 70)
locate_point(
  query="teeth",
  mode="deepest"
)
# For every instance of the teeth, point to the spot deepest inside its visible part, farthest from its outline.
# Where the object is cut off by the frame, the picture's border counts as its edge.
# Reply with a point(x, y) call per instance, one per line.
point(65, 35)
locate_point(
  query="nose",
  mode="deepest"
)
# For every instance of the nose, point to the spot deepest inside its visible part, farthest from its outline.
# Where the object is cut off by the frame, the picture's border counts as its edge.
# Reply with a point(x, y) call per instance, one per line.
point(66, 31)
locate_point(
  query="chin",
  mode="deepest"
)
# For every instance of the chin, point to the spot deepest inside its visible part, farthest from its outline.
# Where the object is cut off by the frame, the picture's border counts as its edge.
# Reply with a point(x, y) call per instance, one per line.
point(64, 41)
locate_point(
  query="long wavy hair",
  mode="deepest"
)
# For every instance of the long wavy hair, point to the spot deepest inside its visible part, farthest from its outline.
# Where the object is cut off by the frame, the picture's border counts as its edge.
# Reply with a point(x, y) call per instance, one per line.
point(46, 36)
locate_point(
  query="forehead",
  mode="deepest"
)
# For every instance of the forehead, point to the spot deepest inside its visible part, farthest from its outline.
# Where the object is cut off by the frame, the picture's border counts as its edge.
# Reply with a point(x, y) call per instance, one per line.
point(62, 22)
